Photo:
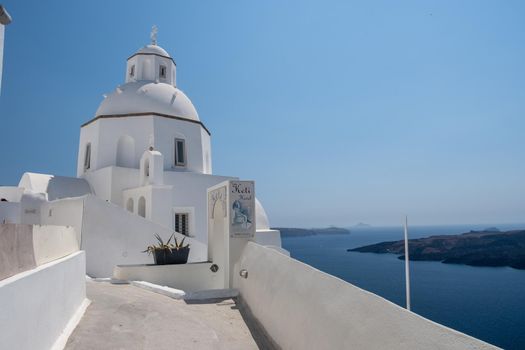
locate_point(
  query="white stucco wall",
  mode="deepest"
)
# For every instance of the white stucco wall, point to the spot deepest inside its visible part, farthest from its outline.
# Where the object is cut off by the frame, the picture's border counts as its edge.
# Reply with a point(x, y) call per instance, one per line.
point(100, 181)
point(303, 308)
point(36, 305)
point(186, 277)
point(16, 249)
point(190, 190)
point(67, 212)
point(23, 246)
point(30, 207)
point(10, 212)
point(53, 242)
point(268, 237)
point(112, 236)
point(54, 187)
point(11, 193)
point(104, 135)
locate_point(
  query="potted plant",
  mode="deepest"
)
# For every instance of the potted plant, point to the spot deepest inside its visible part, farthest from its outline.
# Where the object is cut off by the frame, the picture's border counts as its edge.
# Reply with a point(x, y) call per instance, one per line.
point(169, 253)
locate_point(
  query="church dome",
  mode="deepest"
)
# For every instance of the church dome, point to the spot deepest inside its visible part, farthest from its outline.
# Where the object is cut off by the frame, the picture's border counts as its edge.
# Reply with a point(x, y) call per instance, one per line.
point(261, 219)
point(153, 49)
point(148, 97)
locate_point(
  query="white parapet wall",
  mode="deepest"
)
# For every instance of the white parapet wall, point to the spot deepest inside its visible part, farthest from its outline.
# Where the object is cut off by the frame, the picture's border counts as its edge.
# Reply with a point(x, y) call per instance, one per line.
point(68, 211)
point(37, 306)
point(110, 234)
point(268, 237)
point(10, 212)
point(24, 247)
point(186, 277)
point(301, 307)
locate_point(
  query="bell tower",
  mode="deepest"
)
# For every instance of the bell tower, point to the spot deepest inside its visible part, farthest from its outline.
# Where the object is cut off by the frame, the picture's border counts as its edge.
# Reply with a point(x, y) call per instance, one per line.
point(151, 63)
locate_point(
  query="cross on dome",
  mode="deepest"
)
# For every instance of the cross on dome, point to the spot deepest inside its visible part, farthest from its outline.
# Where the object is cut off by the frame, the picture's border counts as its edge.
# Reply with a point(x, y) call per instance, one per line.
point(153, 35)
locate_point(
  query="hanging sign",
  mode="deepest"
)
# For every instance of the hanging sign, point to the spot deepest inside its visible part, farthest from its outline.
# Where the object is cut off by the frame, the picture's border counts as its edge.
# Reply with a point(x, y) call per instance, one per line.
point(242, 209)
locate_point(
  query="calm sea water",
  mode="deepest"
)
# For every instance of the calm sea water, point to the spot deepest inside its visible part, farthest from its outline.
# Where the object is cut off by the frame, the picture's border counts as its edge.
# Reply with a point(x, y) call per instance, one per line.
point(485, 302)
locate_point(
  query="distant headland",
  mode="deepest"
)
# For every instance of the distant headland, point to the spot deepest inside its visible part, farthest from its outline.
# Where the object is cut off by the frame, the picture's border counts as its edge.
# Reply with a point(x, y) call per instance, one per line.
point(301, 232)
point(489, 247)
point(362, 225)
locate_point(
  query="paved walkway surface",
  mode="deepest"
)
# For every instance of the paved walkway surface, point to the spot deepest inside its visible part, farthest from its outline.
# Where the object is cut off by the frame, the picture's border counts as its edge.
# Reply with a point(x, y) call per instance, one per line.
point(128, 317)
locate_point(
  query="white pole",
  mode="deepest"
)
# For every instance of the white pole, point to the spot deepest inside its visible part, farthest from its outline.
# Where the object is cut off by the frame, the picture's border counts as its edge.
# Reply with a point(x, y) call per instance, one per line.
point(1, 52)
point(407, 268)
point(5, 19)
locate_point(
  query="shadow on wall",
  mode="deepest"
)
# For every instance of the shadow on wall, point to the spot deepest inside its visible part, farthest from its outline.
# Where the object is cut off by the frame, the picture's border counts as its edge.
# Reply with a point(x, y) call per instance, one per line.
point(66, 187)
point(112, 236)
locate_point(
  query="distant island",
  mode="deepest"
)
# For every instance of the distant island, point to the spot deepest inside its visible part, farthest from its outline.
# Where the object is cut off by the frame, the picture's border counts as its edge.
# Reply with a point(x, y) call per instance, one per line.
point(489, 247)
point(302, 232)
point(361, 225)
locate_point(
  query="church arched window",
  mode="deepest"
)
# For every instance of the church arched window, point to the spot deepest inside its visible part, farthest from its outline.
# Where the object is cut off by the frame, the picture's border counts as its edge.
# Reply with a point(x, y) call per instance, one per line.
point(87, 157)
point(146, 168)
point(142, 207)
point(162, 72)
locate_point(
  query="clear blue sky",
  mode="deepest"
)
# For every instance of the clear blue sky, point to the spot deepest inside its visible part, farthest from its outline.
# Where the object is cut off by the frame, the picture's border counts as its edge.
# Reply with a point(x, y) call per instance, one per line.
point(340, 111)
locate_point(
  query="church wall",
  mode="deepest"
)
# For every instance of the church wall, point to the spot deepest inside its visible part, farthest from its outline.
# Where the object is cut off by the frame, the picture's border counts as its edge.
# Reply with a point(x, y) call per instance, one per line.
point(190, 190)
point(136, 194)
point(141, 132)
point(161, 198)
point(111, 130)
point(166, 130)
point(88, 134)
point(158, 202)
point(113, 236)
point(121, 179)
point(206, 152)
point(100, 182)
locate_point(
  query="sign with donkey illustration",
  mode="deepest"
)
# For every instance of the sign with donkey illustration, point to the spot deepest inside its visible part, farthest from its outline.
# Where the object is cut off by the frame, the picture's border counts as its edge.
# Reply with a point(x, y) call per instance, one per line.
point(242, 209)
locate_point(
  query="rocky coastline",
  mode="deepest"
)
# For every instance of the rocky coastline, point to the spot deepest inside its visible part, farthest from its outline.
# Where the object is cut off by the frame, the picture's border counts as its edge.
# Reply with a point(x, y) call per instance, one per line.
point(476, 248)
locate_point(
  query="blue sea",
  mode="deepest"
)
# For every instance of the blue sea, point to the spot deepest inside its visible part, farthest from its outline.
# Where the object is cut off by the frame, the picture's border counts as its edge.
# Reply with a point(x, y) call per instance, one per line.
point(485, 302)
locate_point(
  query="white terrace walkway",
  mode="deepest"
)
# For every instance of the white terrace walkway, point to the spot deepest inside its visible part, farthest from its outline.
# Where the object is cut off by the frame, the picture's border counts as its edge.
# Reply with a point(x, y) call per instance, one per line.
point(128, 317)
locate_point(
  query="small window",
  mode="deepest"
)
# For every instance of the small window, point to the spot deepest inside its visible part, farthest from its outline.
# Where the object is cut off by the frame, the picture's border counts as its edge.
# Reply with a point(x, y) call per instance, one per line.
point(146, 168)
point(180, 152)
point(141, 210)
point(132, 71)
point(87, 157)
point(162, 72)
point(182, 223)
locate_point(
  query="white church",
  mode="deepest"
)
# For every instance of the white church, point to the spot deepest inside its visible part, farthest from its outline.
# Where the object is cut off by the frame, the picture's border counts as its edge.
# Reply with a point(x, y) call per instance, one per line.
point(145, 154)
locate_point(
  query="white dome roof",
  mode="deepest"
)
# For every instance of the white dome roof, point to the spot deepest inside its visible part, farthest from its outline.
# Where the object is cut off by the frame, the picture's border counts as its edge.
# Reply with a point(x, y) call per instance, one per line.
point(153, 49)
point(148, 97)
point(261, 219)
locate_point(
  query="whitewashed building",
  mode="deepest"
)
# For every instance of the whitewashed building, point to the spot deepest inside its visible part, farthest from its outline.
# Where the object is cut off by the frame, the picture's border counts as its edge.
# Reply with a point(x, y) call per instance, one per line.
point(146, 151)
